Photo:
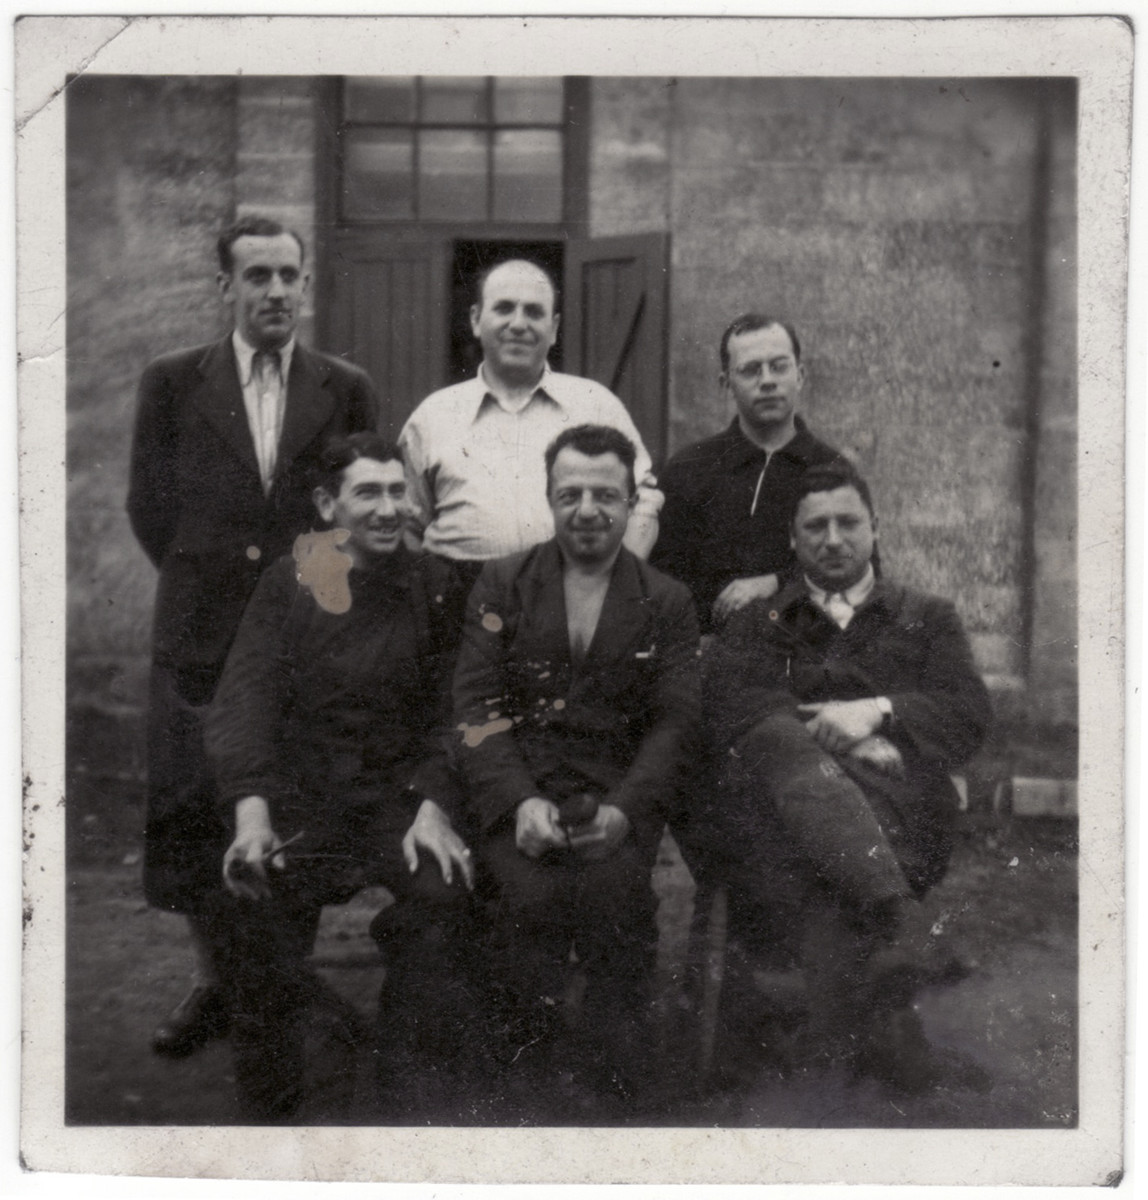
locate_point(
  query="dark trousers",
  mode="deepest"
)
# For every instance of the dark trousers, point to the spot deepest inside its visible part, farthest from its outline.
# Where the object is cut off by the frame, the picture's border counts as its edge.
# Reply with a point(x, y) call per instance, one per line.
point(184, 839)
point(811, 868)
point(540, 909)
point(426, 939)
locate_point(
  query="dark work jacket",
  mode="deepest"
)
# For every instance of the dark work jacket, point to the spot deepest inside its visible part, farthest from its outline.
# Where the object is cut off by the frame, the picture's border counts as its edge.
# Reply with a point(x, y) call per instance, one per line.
point(529, 722)
point(707, 536)
point(775, 654)
point(196, 502)
point(327, 714)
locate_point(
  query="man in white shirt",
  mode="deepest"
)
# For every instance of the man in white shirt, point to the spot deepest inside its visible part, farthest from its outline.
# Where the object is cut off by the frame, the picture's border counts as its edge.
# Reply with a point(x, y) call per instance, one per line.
point(227, 438)
point(474, 451)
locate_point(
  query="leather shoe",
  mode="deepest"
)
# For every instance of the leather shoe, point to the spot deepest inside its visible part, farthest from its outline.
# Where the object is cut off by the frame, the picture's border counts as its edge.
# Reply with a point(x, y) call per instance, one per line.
point(204, 1013)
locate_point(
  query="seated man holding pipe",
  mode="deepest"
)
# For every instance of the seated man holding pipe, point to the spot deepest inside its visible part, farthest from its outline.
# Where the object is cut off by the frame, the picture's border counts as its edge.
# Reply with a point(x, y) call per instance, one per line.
point(577, 704)
point(840, 706)
point(326, 741)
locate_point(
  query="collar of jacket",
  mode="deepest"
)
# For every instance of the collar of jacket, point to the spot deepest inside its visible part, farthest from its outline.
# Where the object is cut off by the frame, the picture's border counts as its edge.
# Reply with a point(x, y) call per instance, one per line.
point(884, 595)
point(739, 449)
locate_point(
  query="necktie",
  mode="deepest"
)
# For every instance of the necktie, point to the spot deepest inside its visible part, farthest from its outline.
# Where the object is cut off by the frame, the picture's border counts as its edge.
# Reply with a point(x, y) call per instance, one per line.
point(266, 372)
point(839, 609)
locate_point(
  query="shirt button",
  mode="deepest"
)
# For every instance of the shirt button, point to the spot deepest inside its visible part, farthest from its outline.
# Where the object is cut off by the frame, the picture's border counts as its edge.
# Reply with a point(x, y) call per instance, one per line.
point(253, 553)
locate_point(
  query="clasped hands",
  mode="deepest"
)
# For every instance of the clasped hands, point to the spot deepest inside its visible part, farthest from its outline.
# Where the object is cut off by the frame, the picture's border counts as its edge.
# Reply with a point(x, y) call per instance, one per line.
point(850, 727)
point(256, 846)
point(538, 829)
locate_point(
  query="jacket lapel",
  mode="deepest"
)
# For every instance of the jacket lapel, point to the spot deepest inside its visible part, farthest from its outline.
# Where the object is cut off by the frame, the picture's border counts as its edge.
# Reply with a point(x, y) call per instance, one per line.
point(220, 398)
point(623, 620)
point(543, 604)
point(309, 406)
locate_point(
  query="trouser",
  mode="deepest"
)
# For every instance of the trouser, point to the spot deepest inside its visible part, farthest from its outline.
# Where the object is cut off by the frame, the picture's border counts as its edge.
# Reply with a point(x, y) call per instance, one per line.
point(540, 910)
point(184, 839)
point(263, 947)
point(813, 865)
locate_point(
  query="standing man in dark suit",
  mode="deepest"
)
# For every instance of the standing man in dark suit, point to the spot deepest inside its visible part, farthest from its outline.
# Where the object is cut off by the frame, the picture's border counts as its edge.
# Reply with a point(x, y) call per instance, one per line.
point(227, 437)
point(577, 701)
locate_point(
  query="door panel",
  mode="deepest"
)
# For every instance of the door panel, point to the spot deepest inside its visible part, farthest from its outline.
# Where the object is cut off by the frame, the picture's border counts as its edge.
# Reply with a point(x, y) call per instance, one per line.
point(389, 303)
point(615, 317)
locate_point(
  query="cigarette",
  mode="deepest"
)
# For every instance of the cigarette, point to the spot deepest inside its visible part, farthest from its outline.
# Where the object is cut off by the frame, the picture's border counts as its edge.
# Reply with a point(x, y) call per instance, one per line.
point(266, 858)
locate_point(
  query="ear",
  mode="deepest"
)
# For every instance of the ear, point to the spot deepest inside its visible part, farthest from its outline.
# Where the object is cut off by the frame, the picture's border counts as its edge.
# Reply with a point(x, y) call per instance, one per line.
point(800, 376)
point(306, 283)
point(554, 330)
point(723, 381)
point(475, 313)
point(873, 523)
point(325, 503)
point(223, 283)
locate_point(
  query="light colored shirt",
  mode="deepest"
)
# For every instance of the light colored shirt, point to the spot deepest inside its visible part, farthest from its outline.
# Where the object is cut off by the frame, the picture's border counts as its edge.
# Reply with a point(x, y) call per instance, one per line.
point(476, 470)
point(265, 399)
point(840, 606)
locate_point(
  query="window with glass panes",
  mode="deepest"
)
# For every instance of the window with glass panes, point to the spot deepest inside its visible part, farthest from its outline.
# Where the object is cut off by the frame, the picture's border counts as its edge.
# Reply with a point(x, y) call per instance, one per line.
point(453, 148)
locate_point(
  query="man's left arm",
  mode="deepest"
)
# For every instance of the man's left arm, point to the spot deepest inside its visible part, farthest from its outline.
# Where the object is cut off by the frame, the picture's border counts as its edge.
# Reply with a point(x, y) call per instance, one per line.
point(670, 744)
point(946, 714)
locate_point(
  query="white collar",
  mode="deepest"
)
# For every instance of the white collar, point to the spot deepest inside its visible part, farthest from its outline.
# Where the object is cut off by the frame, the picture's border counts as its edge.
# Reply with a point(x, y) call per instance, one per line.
point(485, 389)
point(245, 356)
point(855, 596)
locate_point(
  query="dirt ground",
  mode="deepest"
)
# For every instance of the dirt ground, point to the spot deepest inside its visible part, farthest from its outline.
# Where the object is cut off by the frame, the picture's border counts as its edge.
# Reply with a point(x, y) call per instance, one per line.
point(1007, 908)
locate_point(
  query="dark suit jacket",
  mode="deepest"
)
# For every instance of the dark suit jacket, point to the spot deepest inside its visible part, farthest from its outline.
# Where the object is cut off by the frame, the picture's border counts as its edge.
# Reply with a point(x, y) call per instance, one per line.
point(907, 645)
point(531, 723)
point(196, 503)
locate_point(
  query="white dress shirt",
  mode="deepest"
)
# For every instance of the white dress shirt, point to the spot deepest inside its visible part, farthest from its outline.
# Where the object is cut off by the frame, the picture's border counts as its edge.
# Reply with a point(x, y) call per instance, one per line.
point(476, 469)
point(265, 399)
point(840, 606)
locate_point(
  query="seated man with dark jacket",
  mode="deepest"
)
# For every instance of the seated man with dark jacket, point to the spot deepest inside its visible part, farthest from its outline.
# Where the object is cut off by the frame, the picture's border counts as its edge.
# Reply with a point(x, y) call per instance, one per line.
point(577, 705)
point(326, 740)
point(840, 706)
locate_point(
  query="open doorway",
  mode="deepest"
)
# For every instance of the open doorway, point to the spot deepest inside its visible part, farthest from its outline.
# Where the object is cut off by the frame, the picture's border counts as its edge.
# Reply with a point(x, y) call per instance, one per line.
point(469, 259)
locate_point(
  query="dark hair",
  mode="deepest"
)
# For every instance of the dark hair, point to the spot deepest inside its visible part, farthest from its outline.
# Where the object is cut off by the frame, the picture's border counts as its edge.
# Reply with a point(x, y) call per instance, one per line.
point(828, 477)
point(483, 275)
point(593, 440)
point(251, 226)
point(750, 323)
point(342, 450)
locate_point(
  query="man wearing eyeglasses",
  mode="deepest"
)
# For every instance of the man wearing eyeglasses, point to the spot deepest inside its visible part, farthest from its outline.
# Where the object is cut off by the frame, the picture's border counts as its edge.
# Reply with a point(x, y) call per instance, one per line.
point(724, 527)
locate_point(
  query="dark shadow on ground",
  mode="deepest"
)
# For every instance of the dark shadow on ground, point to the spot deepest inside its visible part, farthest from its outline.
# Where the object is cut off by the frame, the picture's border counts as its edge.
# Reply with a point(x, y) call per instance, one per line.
point(1007, 909)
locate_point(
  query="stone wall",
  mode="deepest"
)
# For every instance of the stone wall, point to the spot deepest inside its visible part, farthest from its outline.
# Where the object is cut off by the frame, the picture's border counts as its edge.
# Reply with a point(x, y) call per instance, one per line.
point(921, 235)
point(899, 225)
point(151, 178)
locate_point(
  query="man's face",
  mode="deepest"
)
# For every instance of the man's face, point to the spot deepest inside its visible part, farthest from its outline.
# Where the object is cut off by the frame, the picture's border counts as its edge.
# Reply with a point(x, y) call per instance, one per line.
point(265, 288)
point(515, 322)
point(764, 378)
point(833, 535)
point(370, 506)
point(590, 499)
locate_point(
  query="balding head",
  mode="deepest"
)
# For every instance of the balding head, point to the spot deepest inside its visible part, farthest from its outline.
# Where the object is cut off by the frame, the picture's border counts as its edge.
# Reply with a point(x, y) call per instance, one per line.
point(515, 321)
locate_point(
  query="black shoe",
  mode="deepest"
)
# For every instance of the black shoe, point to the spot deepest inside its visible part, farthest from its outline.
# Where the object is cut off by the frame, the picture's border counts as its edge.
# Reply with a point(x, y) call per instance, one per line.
point(204, 1013)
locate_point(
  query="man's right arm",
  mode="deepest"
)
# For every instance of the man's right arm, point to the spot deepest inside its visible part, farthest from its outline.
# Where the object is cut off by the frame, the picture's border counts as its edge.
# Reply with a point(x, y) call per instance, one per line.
point(152, 489)
point(242, 726)
point(416, 459)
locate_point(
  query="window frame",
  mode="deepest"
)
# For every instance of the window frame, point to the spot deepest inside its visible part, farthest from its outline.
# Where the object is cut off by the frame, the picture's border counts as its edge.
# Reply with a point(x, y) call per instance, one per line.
point(489, 127)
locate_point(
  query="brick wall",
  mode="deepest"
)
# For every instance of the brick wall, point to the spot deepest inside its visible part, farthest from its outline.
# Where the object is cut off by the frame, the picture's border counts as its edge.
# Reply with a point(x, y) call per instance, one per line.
point(893, 221)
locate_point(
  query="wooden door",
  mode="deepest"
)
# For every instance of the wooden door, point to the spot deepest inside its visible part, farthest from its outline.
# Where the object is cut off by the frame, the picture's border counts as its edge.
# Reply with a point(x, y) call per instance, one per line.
point(389, 314)
point(615, 317)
